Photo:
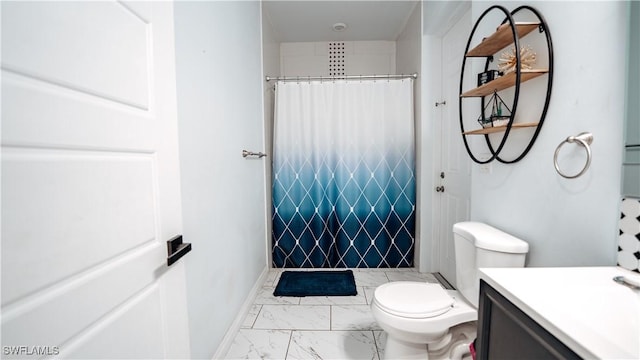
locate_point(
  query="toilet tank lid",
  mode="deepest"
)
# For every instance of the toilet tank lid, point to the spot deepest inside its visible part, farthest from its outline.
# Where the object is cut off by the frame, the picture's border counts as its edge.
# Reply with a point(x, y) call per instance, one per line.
point(489, 238)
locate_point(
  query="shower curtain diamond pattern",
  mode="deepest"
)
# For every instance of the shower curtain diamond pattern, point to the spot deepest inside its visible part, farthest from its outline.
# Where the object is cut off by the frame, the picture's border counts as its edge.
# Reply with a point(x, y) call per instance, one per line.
point(344, 183)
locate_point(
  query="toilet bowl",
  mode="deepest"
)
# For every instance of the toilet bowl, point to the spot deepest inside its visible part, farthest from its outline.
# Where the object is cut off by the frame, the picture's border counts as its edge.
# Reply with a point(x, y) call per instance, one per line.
point(418, 317)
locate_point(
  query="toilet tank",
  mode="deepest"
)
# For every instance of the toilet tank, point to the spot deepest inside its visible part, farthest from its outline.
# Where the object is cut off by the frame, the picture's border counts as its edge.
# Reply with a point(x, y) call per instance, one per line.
point(479, 245)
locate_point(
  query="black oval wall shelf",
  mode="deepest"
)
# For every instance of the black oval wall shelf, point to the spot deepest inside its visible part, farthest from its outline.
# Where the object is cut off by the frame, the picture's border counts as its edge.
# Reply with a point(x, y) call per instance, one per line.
point(508, 33)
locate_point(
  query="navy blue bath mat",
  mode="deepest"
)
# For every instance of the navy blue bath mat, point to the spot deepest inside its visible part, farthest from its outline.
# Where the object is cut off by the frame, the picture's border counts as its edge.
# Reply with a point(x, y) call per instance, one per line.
point(316, 283)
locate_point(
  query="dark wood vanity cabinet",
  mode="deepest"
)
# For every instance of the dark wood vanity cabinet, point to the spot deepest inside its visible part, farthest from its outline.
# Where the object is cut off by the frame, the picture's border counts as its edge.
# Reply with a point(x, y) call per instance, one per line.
point(505, 332)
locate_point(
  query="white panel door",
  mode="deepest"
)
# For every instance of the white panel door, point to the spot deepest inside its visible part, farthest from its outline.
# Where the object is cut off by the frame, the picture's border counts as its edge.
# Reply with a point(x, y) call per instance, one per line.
point(90, 182)
point(455, 167)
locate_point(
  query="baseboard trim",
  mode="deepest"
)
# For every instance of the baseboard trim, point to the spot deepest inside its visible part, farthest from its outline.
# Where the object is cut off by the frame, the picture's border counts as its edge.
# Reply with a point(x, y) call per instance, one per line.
point(228, 338)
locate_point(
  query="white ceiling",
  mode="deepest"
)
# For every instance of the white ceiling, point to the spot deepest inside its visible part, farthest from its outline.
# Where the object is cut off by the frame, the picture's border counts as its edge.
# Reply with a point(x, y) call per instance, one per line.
point(306, 20)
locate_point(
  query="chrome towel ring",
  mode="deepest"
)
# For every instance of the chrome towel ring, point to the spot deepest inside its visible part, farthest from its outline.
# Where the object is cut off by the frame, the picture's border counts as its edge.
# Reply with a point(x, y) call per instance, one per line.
point(584, 139)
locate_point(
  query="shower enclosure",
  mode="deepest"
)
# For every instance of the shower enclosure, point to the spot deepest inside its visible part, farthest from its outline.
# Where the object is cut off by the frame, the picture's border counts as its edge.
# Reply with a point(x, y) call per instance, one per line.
point(344, 174)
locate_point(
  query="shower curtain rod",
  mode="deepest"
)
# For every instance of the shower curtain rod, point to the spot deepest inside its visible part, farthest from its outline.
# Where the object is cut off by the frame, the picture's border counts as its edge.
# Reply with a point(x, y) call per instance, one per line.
point(340, 77)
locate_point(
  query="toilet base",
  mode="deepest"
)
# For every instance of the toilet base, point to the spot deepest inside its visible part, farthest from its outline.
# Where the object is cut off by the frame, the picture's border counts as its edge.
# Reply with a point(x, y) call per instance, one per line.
point(396, 349)
point(455, 346)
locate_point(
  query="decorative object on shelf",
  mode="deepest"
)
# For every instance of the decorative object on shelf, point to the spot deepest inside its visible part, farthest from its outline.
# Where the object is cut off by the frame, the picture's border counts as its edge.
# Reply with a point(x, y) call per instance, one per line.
point(485, 77)
point(508, 60)
point(500, 112)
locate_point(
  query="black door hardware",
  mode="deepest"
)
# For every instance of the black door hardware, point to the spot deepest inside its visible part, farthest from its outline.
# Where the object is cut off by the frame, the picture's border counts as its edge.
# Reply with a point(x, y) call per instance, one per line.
point(176, 249)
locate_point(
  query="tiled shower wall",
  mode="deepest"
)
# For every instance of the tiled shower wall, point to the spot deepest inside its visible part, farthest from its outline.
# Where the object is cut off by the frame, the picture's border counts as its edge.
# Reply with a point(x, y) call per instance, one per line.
point(338, 58)
point(629, 238)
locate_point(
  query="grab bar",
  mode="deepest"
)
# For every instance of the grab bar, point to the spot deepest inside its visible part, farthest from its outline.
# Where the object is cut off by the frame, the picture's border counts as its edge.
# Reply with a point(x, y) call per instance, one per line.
point(584, 139)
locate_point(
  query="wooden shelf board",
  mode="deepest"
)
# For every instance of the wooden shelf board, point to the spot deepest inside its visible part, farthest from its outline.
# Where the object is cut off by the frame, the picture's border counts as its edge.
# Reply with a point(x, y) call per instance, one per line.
point(501, 38)
point(503, 82)
point(502, 128)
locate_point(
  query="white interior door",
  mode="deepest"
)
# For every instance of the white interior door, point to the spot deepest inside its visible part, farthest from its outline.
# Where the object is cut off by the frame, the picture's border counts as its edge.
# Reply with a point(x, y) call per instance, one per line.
point(455, 176)
point(90, 182)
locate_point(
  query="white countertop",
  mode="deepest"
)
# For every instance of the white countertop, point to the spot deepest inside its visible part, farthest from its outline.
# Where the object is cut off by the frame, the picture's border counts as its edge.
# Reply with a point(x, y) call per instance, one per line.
point(581, 306)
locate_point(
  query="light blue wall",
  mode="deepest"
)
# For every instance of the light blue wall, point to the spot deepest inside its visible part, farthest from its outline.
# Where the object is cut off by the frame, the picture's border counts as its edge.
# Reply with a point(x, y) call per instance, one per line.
point(633, 81)
point(566, 222)
point(219, 78)
point(631, 170)
point(408, 61)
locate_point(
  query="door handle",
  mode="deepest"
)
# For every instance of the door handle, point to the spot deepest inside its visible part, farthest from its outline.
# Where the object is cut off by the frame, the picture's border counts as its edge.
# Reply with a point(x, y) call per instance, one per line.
point(176, 249)
point(439, 188)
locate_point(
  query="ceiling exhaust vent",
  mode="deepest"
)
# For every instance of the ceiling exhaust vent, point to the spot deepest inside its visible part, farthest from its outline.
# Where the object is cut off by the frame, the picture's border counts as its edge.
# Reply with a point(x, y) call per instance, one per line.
point(336, 58)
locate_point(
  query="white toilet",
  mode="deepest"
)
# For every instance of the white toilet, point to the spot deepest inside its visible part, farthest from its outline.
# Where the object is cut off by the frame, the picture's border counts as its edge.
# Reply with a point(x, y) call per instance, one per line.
point(422, 318)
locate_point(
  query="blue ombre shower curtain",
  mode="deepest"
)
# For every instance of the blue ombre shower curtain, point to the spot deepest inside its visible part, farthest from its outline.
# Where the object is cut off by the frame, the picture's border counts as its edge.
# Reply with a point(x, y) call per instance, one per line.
point(343, 174)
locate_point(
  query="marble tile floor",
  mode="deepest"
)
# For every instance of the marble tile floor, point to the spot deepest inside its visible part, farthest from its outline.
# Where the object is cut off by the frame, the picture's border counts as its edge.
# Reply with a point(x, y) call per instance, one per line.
point(330, 328)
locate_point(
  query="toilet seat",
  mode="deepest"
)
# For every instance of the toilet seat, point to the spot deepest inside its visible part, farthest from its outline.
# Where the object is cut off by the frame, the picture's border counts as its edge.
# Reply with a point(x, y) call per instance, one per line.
point(415, 300)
